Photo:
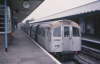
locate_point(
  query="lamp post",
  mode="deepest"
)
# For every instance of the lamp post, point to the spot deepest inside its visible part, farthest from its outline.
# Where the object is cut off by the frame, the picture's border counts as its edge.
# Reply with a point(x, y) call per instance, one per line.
point(5, 33)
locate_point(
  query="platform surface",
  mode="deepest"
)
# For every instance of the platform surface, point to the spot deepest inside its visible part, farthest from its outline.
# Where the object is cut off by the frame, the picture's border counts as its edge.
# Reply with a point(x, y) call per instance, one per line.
point(24, 51)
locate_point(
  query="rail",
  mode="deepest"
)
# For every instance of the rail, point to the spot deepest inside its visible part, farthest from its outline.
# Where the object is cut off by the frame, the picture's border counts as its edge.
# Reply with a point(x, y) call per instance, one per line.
point(91, 51)
point(90, 40)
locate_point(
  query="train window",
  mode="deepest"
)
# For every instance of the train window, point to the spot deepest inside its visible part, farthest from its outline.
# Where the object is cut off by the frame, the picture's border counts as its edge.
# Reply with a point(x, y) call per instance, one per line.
point(57, 32)
point(42, 32)
point(75, 31)
point(48, 33)
point(38, 31)
point(66, 31)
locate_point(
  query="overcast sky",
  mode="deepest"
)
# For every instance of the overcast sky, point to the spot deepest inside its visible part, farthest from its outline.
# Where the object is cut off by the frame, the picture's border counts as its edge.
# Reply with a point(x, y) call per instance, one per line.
point(49, 7)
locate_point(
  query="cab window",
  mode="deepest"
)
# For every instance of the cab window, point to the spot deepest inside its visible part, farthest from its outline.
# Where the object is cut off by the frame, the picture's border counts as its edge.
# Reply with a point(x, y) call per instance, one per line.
point(75, 31)
point(66, 31)
point(57, 32)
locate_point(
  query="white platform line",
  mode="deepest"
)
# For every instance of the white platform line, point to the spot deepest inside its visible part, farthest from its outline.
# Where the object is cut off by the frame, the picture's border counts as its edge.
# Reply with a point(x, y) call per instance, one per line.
point(55, 60)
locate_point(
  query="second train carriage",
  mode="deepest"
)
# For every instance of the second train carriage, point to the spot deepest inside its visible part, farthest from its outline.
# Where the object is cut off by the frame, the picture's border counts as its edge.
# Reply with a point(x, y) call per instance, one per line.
point(58, 36)
point(33, 31)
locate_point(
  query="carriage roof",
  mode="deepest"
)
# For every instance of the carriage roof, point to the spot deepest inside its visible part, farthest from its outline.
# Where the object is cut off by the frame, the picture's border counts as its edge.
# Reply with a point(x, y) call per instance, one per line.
point(58, 23)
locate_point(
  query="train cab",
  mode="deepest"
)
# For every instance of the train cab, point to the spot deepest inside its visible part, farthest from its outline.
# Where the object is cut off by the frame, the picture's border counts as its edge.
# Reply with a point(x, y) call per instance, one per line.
point(66, 37)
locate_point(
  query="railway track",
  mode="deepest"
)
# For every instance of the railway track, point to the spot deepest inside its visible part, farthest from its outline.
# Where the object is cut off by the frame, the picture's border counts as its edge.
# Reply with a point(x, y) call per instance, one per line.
point(91, 48)
point(87, 56)
point(84, 59)
point(91, 52)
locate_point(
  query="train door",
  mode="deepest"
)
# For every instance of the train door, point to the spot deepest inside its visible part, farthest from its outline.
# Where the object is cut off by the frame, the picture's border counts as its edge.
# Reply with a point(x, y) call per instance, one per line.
point(57, 39)
point(76, 37)
point(67, 38)
point(48, 38)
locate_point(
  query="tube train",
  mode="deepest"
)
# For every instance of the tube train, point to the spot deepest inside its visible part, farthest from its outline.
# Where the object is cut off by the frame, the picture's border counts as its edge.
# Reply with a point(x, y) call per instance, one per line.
point(60, 36)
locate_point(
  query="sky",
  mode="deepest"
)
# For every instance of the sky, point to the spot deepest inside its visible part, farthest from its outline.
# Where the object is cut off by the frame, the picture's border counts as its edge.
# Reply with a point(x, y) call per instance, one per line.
point(49, 7)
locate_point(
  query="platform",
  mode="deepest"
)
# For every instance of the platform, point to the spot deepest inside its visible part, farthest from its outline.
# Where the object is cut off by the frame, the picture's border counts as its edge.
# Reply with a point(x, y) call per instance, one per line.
point(24, 51)
point(91, 39)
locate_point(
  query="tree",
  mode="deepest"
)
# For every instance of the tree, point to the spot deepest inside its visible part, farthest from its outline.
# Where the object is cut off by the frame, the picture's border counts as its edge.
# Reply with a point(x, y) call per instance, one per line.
point(1, 2)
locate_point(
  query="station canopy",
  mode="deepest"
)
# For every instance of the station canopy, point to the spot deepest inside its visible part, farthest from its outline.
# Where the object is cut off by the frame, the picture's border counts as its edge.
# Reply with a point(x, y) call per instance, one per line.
point(22, 8)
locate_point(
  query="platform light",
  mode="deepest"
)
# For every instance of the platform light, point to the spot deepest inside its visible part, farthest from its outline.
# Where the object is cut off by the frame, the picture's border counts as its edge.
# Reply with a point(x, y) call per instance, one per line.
point(26, 4)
